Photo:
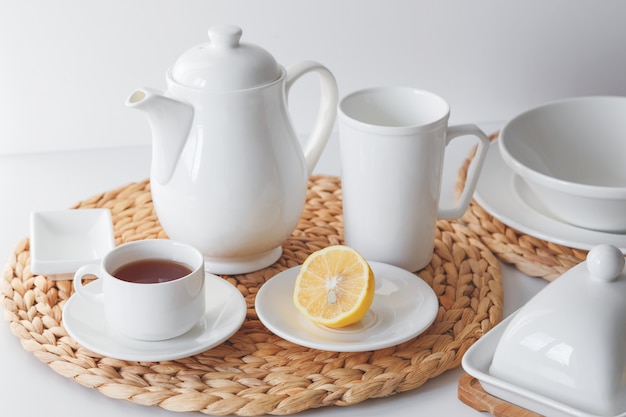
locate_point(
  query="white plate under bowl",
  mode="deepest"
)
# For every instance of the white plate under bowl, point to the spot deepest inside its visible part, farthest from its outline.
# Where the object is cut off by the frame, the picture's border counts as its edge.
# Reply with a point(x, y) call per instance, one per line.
point(224, 315)
point(508, 198)
point(64, 240)
point(403, 307)
point(476, 362)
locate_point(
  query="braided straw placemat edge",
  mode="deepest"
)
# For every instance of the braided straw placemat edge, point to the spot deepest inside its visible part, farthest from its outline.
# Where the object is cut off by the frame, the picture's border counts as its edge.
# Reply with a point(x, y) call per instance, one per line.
point(531, 255)
point(255, 372)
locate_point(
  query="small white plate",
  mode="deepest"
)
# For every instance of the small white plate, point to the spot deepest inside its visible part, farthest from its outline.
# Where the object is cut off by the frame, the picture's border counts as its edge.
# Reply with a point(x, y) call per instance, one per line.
point(225, 313)
point(506, 196)
point(64, 240)
point(403, 307)
point(476, 362)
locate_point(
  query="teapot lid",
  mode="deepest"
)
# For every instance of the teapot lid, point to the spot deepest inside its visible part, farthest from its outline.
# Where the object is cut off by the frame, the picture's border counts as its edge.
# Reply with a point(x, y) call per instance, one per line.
point(225, 63)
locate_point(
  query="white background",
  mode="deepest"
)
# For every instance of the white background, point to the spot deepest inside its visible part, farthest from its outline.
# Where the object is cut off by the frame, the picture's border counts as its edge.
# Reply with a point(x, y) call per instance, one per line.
point(67, 66)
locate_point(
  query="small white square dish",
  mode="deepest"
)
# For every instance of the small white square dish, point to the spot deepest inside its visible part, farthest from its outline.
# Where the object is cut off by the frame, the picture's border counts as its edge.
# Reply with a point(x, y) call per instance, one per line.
point(64, 240)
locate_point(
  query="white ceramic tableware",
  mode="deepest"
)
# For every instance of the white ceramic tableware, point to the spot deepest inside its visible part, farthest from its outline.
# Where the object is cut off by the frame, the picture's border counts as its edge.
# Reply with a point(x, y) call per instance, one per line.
point(64, 240)
point(509, 199)
point(148, 311)
point(564, 352)
point(228, 174)
point(392, 142)
point(571, 153)
point(225, 312)
point(404, 306)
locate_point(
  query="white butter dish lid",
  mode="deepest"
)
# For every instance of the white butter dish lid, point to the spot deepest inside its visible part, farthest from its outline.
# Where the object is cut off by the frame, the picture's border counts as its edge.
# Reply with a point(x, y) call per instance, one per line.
point(568, 343)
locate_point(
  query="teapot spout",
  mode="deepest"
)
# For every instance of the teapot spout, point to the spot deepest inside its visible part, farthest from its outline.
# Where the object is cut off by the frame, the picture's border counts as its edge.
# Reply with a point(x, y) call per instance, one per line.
point(170, 121)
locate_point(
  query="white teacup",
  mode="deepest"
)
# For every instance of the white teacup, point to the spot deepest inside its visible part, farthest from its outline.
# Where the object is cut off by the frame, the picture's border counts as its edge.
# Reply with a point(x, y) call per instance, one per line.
point(147, 305)
point(392, 142)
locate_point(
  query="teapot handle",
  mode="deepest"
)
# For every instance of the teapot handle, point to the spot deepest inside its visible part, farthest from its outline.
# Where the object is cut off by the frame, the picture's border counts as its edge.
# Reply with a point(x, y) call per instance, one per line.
point(327, 110)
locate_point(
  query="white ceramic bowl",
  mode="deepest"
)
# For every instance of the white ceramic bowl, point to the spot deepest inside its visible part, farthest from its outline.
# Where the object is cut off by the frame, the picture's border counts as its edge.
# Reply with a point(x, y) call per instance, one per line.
point(564, 352)
point(572, 154)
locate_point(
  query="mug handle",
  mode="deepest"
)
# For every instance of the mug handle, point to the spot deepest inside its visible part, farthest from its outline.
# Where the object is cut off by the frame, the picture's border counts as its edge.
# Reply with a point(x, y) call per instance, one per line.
point(464, 200)
point(327, 110)
point(92, 269)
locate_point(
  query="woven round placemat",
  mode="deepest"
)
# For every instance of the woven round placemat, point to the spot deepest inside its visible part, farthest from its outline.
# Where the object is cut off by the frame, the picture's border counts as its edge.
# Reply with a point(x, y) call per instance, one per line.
point(531, 255)
point(255, 372)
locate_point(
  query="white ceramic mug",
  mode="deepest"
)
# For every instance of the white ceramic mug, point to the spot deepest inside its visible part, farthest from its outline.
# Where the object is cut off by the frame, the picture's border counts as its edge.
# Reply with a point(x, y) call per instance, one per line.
point(392, 142)
point(148, 311)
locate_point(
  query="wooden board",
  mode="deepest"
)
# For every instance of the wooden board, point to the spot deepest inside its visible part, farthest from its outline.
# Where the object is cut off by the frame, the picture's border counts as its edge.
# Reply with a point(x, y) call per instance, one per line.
point(472, 393)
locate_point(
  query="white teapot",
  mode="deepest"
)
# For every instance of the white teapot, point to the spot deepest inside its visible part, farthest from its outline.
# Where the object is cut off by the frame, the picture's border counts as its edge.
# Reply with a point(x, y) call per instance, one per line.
point(228, 174)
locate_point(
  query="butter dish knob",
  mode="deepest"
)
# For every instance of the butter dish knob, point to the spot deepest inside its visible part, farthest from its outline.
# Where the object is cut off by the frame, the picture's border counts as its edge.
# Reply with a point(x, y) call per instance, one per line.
point(605, 262)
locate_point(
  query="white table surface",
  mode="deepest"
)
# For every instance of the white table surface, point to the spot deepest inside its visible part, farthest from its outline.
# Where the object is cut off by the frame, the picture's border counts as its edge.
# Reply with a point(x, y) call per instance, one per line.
point(58, 180)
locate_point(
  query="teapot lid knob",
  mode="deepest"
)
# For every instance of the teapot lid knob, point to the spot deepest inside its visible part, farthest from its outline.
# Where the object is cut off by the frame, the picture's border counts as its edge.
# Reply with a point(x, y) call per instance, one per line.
point(605, 262)
point(226, 36)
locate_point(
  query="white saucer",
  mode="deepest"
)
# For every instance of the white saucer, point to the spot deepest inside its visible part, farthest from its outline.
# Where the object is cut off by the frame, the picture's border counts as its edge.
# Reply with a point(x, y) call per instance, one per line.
point(226, 311)
point(403, 307)
point(506, 196)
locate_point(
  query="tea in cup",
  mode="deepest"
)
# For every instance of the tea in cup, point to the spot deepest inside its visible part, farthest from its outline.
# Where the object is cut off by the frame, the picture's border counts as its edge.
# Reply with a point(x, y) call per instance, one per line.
point(151, 289)
point(392, 143)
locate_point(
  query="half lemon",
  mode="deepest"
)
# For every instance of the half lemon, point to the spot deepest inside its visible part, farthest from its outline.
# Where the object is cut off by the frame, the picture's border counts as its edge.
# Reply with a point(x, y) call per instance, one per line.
point(335, 287)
